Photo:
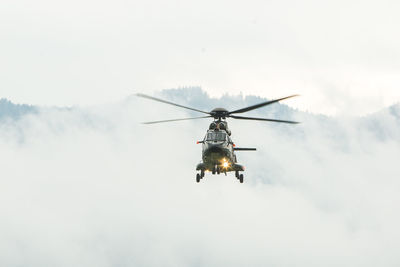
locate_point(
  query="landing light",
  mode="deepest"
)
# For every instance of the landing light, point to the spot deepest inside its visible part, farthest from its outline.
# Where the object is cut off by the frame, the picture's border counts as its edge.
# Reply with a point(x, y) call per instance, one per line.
point(225, 164)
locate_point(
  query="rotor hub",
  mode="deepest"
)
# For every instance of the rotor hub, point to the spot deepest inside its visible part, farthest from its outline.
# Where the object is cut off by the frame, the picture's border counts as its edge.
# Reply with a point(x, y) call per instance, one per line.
point(219, 113)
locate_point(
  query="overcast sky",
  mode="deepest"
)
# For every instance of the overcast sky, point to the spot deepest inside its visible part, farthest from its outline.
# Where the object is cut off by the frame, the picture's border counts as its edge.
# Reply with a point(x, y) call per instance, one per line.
point(342, 56)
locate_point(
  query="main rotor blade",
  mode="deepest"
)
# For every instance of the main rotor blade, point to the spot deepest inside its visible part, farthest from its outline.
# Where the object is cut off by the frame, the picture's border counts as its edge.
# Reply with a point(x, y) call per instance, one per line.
point(259, 105)
point(153, 122)
point(170, 103)
point(261, 119)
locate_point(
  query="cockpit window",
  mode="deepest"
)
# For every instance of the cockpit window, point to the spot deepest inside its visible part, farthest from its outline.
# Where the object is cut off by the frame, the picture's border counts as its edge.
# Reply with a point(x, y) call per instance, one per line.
point(216, 136)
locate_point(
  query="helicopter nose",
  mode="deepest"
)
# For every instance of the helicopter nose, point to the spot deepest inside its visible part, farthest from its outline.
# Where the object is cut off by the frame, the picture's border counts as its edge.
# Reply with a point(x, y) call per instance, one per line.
point(215, 148)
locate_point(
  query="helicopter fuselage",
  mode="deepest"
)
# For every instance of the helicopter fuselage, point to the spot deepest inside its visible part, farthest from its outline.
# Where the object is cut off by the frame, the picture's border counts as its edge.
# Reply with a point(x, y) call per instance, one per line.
point(218, 151)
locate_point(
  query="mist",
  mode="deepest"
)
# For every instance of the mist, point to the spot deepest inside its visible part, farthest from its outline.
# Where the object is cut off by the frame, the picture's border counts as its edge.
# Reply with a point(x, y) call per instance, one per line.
point(91, 186)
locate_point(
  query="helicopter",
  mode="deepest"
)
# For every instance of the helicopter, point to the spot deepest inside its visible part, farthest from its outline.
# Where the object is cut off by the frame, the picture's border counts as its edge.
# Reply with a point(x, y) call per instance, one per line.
point(218, 149)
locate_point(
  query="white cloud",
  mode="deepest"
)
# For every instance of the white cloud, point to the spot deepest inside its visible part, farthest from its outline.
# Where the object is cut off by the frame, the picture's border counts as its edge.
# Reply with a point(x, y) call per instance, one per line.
point(92, 187)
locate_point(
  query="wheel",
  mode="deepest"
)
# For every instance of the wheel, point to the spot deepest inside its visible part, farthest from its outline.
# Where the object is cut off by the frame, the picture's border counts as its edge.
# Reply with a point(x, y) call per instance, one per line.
point(214, 170)
point(198, 178)
point(241, 178)
point(202, 174)
point(237, 174)
point(218, 170)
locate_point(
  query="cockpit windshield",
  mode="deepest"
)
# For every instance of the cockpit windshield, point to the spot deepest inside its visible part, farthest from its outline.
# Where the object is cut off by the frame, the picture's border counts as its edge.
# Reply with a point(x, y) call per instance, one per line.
point(216, 136)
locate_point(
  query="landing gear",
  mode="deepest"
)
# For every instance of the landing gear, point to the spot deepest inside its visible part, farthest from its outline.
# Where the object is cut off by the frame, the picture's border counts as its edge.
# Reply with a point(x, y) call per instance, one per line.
point(216, 170)
point(199, 176)
point(241, 178)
